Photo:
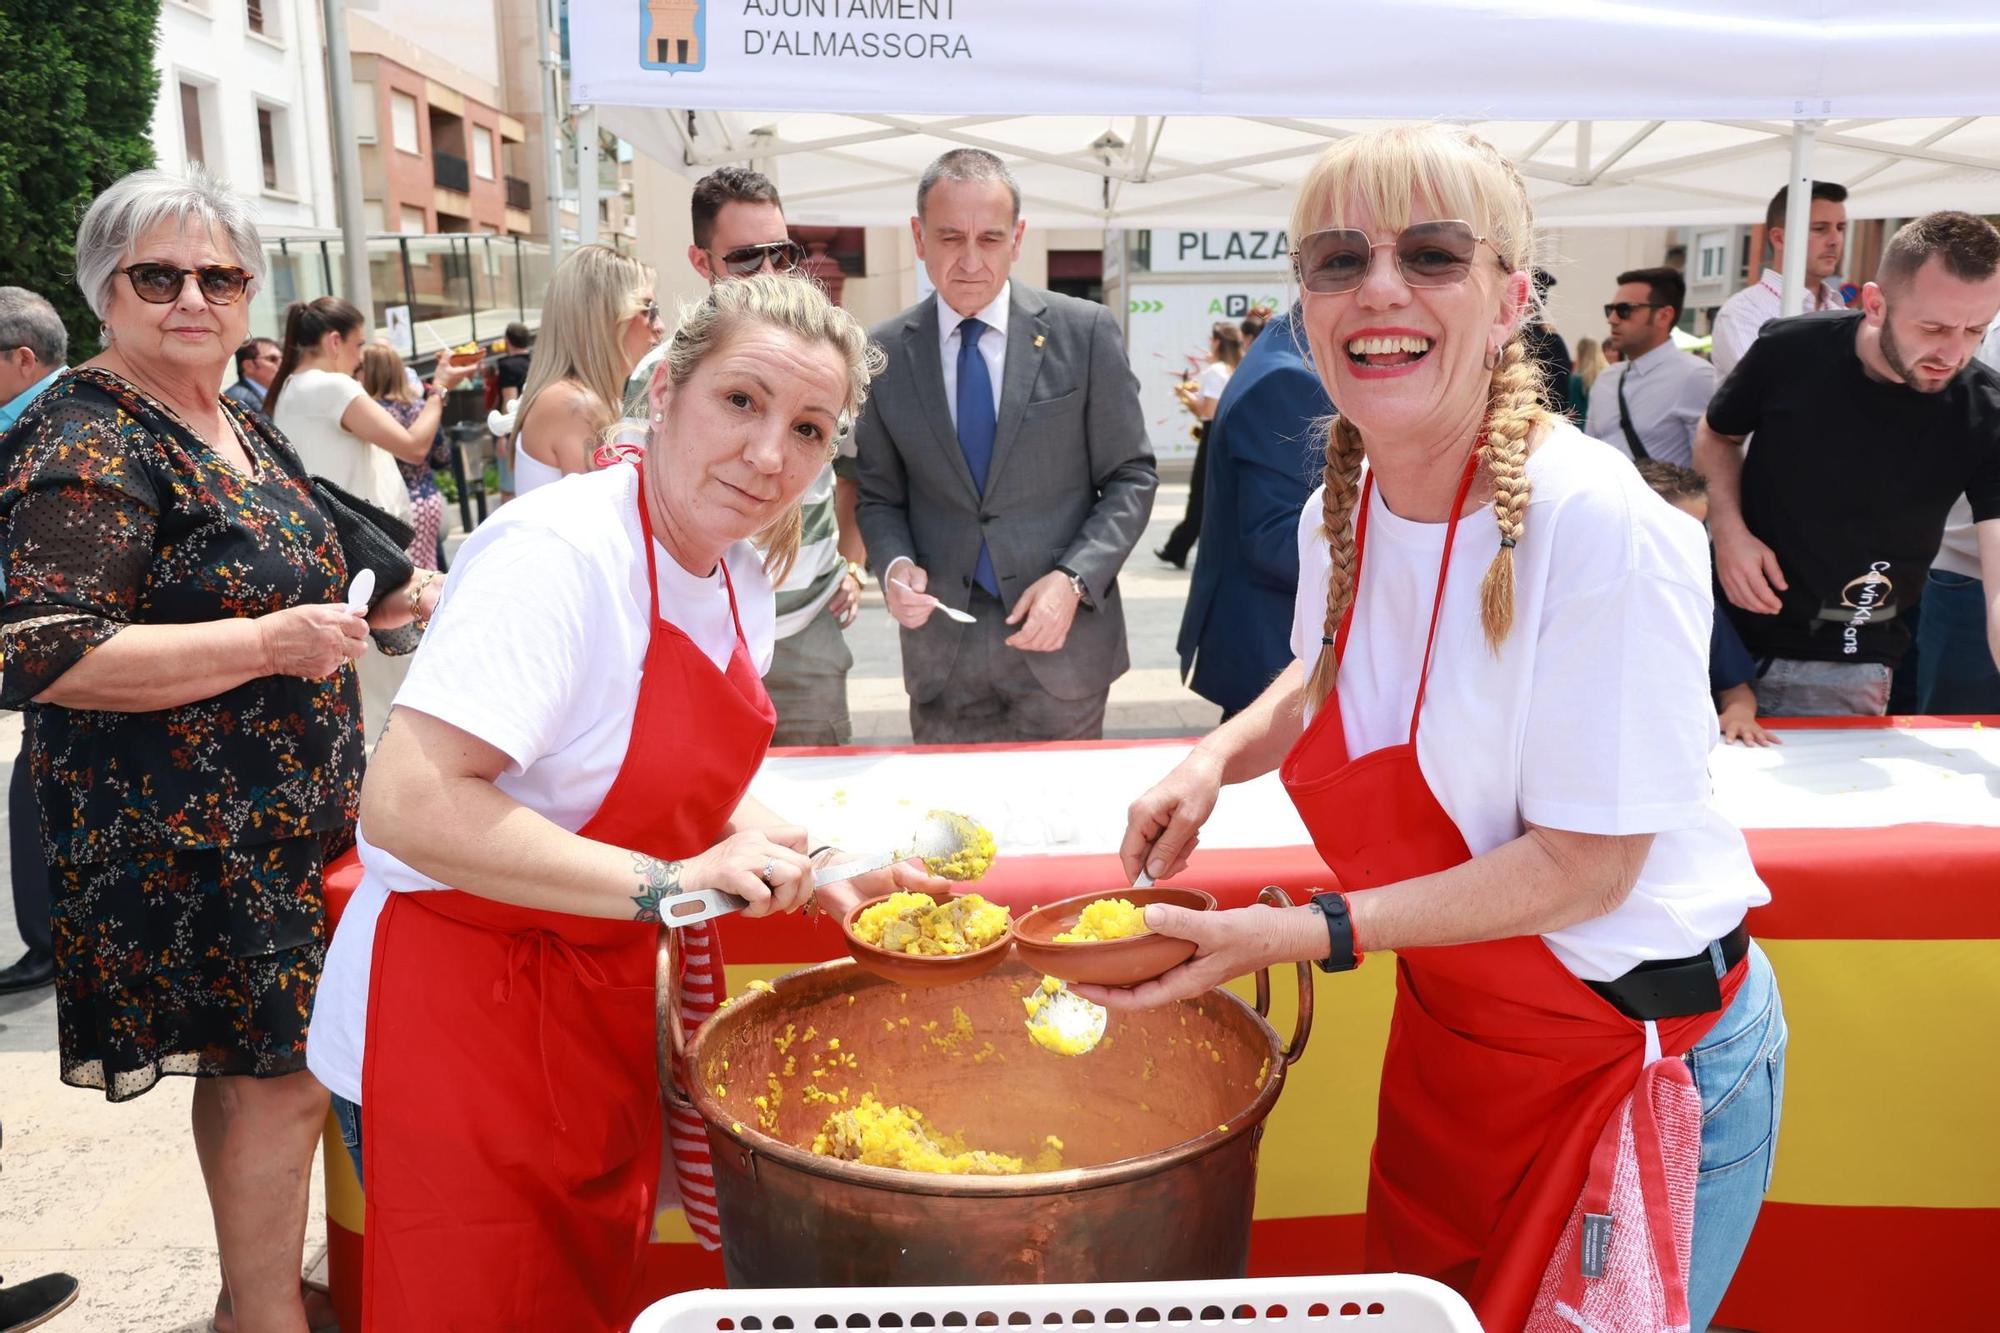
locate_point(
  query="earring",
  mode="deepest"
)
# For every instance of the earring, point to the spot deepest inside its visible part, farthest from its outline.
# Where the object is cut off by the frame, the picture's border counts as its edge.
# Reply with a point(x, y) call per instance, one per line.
point(658, 418)
point(1492, 361)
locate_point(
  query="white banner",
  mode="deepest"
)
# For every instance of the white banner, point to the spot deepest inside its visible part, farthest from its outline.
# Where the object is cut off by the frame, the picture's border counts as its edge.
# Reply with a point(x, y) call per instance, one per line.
point(1469, 59)
point(1167, 325)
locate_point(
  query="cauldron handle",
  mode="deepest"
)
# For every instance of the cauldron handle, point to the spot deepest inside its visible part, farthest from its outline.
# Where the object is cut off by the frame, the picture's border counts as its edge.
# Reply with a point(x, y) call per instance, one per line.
point(1302, 1030)
point(671, 1042)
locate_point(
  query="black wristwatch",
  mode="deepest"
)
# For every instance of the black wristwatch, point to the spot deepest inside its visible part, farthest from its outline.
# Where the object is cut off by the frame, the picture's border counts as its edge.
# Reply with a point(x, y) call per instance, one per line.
point(1078, 586)
point(1341, 956)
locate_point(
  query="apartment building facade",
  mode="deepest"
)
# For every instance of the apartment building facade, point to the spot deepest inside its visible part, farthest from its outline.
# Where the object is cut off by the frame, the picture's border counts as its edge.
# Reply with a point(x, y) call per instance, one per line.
point(243, 93)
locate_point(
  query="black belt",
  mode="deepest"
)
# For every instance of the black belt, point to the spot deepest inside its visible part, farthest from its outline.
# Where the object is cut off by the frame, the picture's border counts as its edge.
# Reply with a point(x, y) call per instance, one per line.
point(1676, 987)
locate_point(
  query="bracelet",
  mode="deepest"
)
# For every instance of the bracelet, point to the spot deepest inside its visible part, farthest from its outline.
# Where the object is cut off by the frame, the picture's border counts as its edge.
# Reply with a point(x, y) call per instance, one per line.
point(417, 587)
point(859, 571)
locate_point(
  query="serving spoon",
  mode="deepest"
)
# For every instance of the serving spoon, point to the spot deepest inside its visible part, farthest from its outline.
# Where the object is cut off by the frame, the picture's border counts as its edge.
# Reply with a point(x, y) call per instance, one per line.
point(941, 837)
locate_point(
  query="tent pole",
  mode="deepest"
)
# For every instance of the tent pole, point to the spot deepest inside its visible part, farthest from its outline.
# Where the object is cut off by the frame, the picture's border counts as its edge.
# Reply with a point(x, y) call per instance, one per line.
point(546, 38)
point(347, 163)
point(588, 187)
point(1798, 217)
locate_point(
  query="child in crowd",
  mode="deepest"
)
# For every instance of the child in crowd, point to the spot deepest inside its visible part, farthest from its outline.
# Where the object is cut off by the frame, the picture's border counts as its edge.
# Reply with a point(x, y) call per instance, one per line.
point(1730, 667)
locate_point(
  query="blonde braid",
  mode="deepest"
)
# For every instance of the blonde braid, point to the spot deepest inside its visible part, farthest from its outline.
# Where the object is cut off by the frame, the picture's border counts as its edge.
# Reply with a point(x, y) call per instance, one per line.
point(1512, 416)
point(1343, 489)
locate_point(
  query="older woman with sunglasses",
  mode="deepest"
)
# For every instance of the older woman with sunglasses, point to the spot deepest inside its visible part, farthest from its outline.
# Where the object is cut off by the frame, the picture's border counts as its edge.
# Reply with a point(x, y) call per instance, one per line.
point(176, 628)
point(1496, 732)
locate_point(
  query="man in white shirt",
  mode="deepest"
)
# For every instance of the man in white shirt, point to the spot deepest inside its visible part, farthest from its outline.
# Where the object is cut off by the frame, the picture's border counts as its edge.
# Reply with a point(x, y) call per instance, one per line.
point(33, 348)
point(1743, 315)
point(1649, 404)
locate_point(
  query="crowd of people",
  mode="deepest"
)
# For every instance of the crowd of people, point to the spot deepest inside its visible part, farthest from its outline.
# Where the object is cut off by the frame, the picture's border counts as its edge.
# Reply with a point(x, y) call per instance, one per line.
point(559, 734)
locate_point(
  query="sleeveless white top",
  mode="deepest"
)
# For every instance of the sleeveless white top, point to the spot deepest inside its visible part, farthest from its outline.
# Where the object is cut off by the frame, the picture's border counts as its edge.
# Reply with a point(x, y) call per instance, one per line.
point(530, 471)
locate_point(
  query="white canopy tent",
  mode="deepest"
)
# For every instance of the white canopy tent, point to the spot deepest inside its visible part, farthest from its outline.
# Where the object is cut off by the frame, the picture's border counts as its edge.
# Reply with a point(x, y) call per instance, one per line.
point(1222, 171)
point(1193, 114)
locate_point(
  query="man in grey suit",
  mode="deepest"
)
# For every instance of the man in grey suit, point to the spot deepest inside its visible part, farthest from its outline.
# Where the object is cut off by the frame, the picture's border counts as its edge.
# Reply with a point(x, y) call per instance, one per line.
point(1004, 471)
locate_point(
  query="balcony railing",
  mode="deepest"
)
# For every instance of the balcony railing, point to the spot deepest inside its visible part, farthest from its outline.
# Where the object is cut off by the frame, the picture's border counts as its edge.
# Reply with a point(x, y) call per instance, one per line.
point(451, 172)
point(517, 193)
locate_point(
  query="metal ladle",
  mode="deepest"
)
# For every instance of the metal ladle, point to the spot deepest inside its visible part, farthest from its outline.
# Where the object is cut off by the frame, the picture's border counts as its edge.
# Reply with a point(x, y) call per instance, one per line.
point(941, 836)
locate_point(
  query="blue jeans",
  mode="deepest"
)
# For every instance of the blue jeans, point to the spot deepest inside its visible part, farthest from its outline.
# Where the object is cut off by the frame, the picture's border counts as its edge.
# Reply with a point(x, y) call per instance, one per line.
point(349, 1117)
point(1740, 1069)
point(1955, 671)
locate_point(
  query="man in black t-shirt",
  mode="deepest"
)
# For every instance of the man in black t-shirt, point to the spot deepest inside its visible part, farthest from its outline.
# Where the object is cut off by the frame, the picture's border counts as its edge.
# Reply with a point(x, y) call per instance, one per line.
point(1870, 423)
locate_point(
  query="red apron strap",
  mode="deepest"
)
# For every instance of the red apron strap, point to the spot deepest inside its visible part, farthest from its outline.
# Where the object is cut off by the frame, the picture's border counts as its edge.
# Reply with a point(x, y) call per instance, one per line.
point(1444, 573)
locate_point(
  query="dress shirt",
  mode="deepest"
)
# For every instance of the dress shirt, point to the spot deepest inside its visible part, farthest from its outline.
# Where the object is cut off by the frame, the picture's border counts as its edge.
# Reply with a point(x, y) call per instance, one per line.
point(1667, 395)
point(11, 412)
point(992, 345)
point(1744, 315)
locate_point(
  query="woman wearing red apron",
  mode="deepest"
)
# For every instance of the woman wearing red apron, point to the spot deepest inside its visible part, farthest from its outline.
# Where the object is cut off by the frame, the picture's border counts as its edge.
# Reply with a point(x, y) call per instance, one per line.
point(573, 747)
point(1497, 734)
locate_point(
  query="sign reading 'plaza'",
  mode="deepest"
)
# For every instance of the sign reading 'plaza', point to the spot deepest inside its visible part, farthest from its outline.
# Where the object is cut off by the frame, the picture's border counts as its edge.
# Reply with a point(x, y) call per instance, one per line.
point(1220, 251)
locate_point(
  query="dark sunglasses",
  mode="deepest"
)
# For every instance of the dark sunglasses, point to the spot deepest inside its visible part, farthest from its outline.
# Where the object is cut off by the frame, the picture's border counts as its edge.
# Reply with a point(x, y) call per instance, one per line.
point(160, 284)
point(783, 257)
point(1428, 254)
point(1624, 309)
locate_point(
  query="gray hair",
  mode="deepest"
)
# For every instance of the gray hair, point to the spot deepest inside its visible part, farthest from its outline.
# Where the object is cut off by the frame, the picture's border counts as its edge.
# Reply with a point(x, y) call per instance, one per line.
point(137, 203)
point(28, 320)
point(968, 164)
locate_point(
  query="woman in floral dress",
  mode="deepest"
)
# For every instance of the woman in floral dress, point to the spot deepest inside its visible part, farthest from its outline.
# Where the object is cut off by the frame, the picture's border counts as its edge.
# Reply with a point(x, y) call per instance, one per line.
point(175, 627)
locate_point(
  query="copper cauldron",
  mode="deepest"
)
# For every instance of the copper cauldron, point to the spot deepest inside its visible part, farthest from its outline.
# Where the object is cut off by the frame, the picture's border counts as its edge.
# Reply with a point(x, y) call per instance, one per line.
point(1159, 1125)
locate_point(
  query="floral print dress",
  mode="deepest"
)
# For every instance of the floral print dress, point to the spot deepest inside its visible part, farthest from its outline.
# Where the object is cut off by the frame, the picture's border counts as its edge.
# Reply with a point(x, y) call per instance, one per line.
point(420, 480)
point(185, 843)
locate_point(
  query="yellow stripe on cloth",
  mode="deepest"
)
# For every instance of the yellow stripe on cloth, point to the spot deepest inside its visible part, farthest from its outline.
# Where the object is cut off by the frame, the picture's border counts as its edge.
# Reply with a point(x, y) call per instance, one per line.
point(1891, 1081)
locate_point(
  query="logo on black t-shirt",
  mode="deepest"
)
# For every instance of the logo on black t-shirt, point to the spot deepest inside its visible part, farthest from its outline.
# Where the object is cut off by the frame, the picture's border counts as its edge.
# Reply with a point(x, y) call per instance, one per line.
point(1866, 598)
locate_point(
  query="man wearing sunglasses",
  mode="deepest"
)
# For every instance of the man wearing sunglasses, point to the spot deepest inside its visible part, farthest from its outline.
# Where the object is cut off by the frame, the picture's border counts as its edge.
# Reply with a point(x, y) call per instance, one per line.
point(738, 224)
point(1005, 473)
point(1649, 404)
point(256, 366)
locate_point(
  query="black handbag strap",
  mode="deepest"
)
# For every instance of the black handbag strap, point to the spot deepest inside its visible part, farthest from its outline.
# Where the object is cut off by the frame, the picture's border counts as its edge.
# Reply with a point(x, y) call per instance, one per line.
point(1639, 454)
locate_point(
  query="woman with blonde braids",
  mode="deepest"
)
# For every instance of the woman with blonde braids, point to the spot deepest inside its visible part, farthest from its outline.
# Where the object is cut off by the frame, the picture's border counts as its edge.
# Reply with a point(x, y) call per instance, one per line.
point(1497, 733)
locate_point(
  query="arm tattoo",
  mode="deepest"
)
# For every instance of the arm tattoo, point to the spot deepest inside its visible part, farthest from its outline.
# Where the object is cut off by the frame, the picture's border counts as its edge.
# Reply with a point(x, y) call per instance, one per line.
point(659, 880)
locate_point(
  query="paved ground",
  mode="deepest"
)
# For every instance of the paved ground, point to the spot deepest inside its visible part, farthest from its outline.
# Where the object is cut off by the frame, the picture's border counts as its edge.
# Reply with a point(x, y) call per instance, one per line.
point(112, 1193)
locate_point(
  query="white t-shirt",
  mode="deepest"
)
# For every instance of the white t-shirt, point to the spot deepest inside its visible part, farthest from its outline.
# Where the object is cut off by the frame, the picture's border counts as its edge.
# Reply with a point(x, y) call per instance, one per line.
point(1213, 380)
point(1594, 717)
point(309, 410)
point(536, 648)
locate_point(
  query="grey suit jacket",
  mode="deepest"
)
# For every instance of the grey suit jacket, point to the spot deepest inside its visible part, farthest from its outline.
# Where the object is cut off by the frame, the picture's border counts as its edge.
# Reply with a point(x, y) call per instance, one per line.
point(1071, 482)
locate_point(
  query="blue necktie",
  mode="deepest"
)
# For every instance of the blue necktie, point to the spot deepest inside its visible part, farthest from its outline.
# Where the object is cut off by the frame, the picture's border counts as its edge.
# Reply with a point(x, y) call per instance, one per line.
point(976, 422)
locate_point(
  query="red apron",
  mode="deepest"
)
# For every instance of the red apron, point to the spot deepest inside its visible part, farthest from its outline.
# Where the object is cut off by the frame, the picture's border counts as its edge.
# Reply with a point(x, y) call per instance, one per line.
point(1502, 1067)
point(510, 1107)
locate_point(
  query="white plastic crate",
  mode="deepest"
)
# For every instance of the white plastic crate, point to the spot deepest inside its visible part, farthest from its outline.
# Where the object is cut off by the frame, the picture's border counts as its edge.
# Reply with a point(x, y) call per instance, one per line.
point(1363, 1303)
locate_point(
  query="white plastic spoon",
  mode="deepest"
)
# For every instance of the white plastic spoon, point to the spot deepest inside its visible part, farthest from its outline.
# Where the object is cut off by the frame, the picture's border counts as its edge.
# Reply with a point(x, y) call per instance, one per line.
point(361, 592)
point(961, 617)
